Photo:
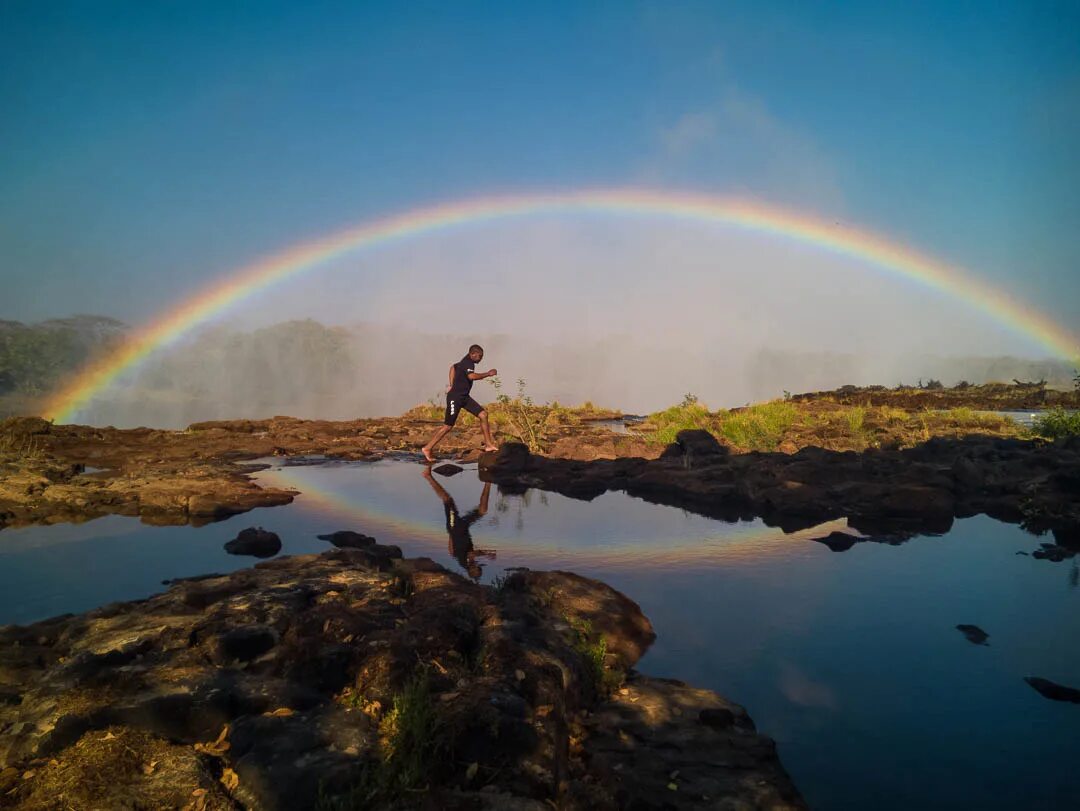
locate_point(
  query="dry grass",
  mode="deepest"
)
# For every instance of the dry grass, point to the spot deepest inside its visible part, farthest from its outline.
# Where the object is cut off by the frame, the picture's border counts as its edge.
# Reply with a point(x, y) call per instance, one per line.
point(787, 425)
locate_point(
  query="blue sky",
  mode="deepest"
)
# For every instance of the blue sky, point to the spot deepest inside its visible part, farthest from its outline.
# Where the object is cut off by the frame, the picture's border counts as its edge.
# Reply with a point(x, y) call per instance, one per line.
point(146, 148)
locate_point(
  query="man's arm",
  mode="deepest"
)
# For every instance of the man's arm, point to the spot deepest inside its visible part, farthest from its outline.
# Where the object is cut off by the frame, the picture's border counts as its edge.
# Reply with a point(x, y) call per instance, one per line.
point(450, 382)
point(482, 375)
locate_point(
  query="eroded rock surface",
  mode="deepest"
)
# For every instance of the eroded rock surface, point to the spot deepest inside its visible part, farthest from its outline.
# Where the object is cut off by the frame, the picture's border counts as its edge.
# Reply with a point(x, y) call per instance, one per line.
point(342, 681)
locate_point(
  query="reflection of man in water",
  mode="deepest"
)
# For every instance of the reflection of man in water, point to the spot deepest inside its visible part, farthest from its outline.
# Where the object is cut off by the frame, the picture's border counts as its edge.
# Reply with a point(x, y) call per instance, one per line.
point(460, 543)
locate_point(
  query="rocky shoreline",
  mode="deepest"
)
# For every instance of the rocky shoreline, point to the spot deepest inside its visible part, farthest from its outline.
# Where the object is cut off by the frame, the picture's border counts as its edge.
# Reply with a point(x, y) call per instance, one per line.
point(76, 473)
point(889, 495)
point(352, 679)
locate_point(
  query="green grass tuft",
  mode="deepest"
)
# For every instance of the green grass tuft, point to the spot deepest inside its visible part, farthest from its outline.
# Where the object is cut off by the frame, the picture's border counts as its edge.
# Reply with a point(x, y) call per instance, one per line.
point(759, 427)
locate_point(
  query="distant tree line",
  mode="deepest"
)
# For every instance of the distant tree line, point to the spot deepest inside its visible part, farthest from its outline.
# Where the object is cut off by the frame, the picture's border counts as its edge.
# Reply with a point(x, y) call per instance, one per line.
point(34, 358)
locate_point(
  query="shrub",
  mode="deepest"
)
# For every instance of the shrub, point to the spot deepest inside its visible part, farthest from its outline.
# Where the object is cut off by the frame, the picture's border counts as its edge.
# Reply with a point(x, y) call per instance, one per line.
point(1057, 422)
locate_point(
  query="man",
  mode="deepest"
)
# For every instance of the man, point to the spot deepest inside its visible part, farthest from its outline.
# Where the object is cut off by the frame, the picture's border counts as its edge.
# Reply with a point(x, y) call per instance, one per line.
point(460, 542)
point(462, 375)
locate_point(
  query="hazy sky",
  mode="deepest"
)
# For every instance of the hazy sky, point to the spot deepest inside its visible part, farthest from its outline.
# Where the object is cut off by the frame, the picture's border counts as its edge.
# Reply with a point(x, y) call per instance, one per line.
point(148, 147)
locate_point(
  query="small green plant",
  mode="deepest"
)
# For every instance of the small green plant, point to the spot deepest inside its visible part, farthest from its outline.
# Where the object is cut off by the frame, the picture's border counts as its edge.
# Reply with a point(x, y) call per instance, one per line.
point(856, 421)
point(1056, 423)
point(523, 418)
point(592, 647)
point(409, 739)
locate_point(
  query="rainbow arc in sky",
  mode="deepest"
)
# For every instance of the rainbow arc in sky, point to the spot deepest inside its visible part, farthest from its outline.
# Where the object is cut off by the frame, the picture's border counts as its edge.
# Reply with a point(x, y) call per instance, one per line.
point(877, 251)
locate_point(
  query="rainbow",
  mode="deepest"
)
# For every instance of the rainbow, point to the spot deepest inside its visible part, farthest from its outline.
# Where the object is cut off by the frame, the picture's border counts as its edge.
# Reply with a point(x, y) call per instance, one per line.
point(262, 273)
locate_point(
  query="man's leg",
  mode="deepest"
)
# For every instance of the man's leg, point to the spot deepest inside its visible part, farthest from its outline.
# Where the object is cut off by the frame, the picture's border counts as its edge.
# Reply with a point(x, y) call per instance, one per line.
point(435, 439)
point(485, 427)
point(449, 418)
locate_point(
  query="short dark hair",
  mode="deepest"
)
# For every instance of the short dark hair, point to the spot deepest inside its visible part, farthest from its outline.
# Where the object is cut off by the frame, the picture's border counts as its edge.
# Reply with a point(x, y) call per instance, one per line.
point(476, 348)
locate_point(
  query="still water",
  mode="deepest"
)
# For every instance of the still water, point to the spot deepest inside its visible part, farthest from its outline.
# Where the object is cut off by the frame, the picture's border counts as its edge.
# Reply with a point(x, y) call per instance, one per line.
point(851, 661)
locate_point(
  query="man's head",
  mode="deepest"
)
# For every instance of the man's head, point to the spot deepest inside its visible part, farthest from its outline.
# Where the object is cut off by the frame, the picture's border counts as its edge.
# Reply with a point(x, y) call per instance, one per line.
point(476, 353)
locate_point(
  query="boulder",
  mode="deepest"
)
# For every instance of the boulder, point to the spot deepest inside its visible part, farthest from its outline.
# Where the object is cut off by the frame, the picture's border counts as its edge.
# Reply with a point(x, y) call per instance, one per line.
point(254, 541)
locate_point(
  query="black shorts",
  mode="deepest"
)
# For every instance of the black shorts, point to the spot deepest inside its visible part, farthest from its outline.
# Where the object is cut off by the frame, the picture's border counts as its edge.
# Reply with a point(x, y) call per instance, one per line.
point(455, 403)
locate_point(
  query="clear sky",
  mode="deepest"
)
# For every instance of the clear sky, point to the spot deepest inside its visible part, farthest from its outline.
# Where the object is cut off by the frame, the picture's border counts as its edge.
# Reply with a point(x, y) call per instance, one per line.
point(148, 147)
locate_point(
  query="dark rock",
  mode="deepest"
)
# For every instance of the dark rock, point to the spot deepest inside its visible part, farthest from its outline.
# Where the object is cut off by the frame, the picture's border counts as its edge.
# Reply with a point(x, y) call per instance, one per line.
point(287, 763)
point(695, 444)
point(839, 541)
point(380, 551)
point(717, 717)
point(256, 542)
point(347, 539)
point(973, 634)
point(651, 748)
point(245, 643)
point(512, 457)
point(448, 470)
point(1054, 691)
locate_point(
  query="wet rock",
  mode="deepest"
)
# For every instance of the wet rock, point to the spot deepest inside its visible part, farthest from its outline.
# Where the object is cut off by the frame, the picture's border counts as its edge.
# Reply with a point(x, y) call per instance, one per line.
point(973, 634)
point(254, 541)
point(1054, 691)
point(347, 539)
point(448, 469)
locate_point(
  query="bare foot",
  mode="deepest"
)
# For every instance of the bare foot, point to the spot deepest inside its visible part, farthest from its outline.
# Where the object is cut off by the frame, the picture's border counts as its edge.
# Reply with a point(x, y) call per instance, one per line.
point(427, 454)
point(491, 447)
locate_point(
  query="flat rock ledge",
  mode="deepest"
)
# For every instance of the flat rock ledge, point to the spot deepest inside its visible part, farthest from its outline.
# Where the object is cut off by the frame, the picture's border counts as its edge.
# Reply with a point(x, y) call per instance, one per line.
point(353, 680)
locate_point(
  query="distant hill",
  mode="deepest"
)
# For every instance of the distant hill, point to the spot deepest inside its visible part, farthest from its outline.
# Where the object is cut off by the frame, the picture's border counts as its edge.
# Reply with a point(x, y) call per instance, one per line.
point(34, 358)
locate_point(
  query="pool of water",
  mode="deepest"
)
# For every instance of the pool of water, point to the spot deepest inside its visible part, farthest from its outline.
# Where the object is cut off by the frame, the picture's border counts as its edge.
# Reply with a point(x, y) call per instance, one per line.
point(851, 660)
